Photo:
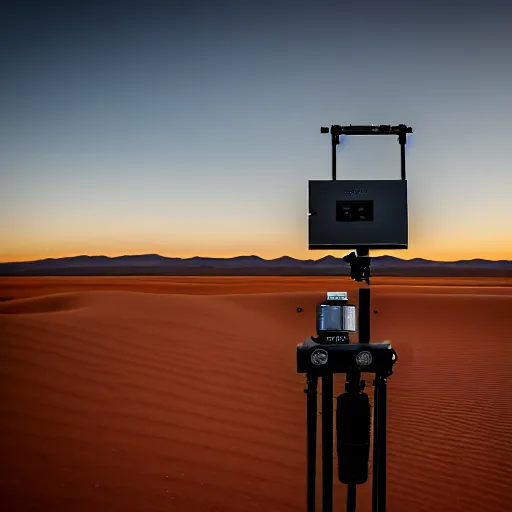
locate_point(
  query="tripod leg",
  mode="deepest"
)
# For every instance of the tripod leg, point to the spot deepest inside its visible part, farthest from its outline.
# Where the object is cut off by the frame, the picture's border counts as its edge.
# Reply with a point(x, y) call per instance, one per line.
point(327, 442)
point(311, 439)
point(351, 498)
point(379, 446)
point(382, 444)
point(376, 438)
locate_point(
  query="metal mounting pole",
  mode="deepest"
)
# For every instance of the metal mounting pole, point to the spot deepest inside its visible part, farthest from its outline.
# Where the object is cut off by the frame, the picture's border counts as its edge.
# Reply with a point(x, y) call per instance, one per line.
point(379, 478)
point(382, 480)
point(351, 498)
point(402, 158)
point(334, 144)
point(312, 381)
point(327, 441)
point(402, 140)
point(364, 315)
point(375, 461)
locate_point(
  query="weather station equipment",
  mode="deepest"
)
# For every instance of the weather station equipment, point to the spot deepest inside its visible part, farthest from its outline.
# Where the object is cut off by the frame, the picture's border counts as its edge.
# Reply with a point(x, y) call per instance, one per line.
point(361, 215)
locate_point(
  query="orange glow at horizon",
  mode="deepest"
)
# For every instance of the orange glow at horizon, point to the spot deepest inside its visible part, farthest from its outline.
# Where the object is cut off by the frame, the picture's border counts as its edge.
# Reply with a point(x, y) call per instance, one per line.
point(453, 255)
point(433, 242)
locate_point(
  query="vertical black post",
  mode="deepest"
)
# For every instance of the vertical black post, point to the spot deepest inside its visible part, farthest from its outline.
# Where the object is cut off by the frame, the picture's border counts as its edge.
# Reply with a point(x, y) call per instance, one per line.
point(382, 477)
point(402, 159)
point(375, 461)
point(312, 381)
point(402, 140)
point(327, 444)
point(364, 315)
point(334, 143)
point(379, 478)
point(351, 498)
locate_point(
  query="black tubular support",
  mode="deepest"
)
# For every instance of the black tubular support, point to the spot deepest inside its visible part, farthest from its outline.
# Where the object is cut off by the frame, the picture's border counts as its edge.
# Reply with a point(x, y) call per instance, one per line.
point(353, 384)
point(402, 140)
point(402, 161)
point(334, 144)
point(379, 478)
point(312, 383)
point(351, 498)
point(382, 433)
point(375, 461)
point(364, 315)
point(327, 441)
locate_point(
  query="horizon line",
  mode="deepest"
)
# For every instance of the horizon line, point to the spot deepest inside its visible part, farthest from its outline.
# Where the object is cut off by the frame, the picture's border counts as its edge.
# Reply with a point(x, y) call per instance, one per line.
point(239, 256)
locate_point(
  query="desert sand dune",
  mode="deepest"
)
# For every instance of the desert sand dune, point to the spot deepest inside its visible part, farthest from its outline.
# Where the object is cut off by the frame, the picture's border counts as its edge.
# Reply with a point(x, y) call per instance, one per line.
point(130, 401)
point(46, 304)
point(23, 287)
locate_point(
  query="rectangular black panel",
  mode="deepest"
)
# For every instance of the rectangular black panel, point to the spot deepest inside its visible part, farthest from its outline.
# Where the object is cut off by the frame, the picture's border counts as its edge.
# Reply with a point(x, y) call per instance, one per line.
point(348, 214)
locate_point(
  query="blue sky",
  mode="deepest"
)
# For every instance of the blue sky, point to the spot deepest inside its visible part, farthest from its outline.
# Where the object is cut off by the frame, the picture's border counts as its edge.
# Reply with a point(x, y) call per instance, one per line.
point(192, 128)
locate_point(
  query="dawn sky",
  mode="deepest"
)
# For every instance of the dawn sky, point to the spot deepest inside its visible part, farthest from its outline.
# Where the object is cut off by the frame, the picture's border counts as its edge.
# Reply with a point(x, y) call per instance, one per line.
point(192, 128)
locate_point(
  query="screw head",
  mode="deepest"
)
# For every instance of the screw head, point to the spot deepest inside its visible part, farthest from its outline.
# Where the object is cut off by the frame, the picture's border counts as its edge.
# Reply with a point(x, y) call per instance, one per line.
point(319, 356)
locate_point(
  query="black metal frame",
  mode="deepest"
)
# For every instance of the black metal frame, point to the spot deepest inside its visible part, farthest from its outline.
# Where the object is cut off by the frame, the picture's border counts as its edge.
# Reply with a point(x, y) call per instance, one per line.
point(360, 271)
point(384, 129)
point(341, 359)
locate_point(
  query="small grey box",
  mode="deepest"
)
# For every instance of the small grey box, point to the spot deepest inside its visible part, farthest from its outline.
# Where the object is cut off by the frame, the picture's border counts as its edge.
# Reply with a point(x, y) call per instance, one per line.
point(348, 214)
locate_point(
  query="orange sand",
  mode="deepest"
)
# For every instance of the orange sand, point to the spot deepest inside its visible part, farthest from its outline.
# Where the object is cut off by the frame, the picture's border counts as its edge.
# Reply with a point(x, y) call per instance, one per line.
point(187, 398)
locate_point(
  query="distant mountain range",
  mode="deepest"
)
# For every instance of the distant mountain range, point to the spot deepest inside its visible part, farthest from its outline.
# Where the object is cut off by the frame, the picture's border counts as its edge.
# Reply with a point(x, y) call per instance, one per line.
point(154, 264)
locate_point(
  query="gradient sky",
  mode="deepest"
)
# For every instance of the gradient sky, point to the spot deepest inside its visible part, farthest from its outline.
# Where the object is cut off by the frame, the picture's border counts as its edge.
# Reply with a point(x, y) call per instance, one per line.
point(192, 128)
